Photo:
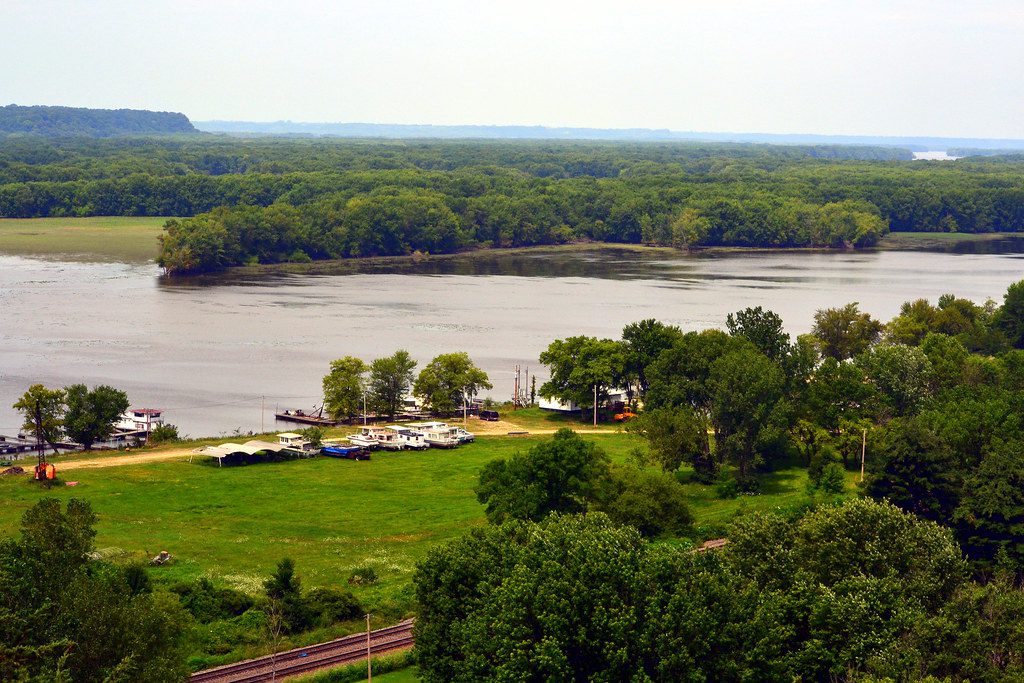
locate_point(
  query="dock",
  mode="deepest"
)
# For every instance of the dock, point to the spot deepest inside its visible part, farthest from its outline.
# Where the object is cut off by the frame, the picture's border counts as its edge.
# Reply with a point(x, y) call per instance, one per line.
point(303, 418)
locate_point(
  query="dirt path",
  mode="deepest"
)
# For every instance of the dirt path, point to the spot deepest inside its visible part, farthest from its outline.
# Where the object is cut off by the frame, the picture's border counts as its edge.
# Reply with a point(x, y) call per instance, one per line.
point(120, 460)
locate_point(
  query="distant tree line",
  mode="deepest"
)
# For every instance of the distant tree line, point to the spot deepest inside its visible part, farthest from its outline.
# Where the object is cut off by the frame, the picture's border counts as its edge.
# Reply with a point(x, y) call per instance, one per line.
point(78, 121)
point(243, 201)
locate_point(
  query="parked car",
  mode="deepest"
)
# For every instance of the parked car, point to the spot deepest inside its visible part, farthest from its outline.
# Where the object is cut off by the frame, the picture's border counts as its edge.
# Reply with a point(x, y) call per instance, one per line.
point(489, 415)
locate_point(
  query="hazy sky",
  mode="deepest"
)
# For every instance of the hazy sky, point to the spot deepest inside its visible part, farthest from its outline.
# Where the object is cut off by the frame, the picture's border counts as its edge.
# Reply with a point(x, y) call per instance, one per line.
point(933, 67)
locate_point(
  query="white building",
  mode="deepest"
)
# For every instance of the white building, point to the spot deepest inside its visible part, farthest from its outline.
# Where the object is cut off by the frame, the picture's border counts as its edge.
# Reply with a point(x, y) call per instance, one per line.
point(140, 420)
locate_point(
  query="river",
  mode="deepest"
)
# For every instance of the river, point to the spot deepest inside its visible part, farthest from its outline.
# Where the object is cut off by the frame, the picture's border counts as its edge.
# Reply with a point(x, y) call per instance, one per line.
point(211, 352)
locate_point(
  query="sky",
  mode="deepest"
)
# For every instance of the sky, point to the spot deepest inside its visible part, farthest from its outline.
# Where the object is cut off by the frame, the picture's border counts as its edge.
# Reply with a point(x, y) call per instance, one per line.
point(897, 67)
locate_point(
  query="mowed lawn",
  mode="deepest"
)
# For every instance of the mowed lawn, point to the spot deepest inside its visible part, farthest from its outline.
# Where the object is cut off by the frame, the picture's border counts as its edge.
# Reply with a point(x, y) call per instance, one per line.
point(127, 239)
point(233, 524)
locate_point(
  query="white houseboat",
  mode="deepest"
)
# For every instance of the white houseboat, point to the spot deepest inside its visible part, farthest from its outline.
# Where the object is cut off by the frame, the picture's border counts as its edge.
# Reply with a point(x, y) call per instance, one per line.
point(409, 438)
point(438, 434)
point(377, 437)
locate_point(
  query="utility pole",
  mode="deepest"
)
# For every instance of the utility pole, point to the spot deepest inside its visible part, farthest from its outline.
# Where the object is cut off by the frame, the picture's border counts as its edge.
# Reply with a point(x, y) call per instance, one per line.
point(595, 405)
point(863, 451)
point(263, 412)
point(40, 442)
point(369, 665)
point(364, 412)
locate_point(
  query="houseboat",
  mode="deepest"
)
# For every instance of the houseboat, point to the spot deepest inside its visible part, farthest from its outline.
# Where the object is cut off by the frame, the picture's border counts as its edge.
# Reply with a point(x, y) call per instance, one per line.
point(376, 437)
point(409, 437)
point(437, 434)
point(295, 442)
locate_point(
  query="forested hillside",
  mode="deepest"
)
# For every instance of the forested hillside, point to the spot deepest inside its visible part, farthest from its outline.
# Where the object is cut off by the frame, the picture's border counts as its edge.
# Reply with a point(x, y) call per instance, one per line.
point(70, 121)
point(269, 200)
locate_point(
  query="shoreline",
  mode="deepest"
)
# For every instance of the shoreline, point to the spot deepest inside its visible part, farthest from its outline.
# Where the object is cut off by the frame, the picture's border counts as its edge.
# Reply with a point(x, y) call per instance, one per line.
point(900, 241)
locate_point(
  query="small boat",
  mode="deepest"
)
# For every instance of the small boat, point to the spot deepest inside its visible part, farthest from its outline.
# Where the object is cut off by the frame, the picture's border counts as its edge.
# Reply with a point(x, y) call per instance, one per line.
point(463, 436)
point(346, 452)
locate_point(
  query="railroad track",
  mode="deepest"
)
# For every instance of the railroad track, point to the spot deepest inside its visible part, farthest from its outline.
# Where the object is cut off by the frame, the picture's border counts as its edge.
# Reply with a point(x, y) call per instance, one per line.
point(305, 659)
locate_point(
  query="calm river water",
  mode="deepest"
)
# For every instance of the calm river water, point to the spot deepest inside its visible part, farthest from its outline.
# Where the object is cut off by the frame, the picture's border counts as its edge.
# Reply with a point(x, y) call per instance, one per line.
point(206, 352)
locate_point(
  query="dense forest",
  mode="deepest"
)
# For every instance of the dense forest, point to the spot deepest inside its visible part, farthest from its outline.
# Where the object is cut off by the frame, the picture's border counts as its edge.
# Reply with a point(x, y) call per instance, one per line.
point(917, 578)
point(269, 200)
point(78, 121)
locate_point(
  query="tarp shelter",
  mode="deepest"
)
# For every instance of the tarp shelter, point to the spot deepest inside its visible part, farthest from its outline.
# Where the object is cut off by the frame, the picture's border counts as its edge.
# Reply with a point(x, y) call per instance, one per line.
point(248, 448)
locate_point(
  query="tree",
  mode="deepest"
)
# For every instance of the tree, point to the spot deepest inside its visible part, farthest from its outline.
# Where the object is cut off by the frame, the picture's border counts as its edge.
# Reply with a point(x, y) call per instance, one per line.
point(66, 617)
point(560, 475)
point(653, 503)
point(390, 381)
point(344, 387)
point(763, 329)
point(676, 436)
point(284, 590)
point(845, 332)
point(450, 381)
point(43, 411)
point(1010, 318)
point(555, 601)
point(578, 364)
point(990, 518)
point(90, 416)
point(902, 374)
point(913, 468)
point(645, 340)
point(680, 375)
point(746, 389)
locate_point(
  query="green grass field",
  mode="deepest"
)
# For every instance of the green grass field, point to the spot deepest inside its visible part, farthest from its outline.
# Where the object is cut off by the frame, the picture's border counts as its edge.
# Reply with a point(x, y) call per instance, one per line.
point(233, 524)
point(130, 240)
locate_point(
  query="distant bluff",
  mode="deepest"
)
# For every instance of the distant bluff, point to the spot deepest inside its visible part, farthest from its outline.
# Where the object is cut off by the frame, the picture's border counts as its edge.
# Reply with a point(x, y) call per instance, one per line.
point(101, 123)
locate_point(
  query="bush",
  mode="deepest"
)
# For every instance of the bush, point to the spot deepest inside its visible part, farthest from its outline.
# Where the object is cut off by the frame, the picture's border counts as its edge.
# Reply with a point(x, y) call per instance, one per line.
point(832, 479)
point(164, 433)
point(727, 487)
point(208, 603)
point(137, 578)
point(330, 606)
point(653, 502)
point(363, 575)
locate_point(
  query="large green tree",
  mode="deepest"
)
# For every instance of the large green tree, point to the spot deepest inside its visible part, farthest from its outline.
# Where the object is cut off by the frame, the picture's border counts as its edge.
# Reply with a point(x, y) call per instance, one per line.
point(579, 364)
point(562, 474)
point(761, 328)
point(675, 436)
point(64, 617)
point(43, 412)
point(990, 518)
point(845, 332)
point(344, 387)
point(645, 340)
point(449, 382)
point(910, 465)
point(1010, 317)
point(746, 395)
point(390, 382)
point(90, 415)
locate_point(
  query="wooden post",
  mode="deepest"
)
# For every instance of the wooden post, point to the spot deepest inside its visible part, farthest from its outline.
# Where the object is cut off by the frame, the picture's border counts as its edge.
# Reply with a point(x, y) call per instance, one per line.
point(863, 451)
point(369, 666)
point(595, 405)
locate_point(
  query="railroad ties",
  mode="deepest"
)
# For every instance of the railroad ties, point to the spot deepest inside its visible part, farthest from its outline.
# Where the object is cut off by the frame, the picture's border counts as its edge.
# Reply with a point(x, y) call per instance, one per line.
point(301, 660)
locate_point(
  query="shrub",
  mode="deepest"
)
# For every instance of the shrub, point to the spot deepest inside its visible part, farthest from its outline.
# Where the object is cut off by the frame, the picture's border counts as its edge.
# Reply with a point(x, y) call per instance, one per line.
point(208, 603)
point(363, 575)
point(331, 606)
point(165, 433)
